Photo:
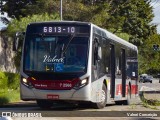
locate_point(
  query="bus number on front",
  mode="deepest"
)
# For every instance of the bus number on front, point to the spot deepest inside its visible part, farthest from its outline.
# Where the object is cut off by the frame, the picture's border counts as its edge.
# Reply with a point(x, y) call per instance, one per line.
point(59, 29)
point(65, 85)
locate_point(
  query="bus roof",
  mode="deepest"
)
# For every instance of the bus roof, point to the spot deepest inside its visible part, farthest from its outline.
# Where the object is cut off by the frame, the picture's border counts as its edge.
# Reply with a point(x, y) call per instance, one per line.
point(62, 22)
point(115, 38)
point(107, 33)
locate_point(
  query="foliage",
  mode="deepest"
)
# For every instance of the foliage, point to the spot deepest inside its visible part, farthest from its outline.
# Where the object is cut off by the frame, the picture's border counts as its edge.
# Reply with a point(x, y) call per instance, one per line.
point(13, 80)
point(9, 96)
point(20, 26)
point(3, 81)
point(149, 58)
point(129, 19)
point(3, 99)
point(9, 87)
point(132, 17)
point(9, 81)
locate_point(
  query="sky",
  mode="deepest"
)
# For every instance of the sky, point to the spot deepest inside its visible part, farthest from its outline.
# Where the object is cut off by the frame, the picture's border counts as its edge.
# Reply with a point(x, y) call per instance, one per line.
point(156, 19)
point(1, 24)
point(156, 9)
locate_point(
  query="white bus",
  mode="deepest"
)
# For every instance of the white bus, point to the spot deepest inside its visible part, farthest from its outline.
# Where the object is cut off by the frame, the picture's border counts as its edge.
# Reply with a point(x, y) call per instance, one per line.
point(76, 61)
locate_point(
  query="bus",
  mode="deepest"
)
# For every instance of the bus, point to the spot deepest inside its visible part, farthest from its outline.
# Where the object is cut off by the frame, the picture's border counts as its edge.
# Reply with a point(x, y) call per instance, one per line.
point(76, 62)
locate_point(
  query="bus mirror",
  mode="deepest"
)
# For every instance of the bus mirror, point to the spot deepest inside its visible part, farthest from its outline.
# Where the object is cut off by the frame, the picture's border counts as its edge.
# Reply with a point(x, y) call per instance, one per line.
point(16, 40)
point(99, 53)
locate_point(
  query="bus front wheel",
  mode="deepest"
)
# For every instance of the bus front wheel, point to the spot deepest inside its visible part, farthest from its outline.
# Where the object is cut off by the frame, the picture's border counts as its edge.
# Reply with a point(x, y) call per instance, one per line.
point(44, 104)
point(103, 102)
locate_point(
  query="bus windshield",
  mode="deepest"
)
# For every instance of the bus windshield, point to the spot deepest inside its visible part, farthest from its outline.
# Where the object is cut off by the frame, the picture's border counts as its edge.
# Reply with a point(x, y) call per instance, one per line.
point(56, 54)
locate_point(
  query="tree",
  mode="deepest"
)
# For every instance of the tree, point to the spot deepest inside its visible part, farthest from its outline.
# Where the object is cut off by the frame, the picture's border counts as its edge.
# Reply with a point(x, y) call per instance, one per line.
point(22, 8)
point(148, 57)
point(14, 7)
point(132, 17)
point(20, 26)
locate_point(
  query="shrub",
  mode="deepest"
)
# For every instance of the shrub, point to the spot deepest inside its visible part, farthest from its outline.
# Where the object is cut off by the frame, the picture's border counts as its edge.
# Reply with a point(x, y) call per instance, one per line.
point(13, 80)
point(9, 84)
point(3, 100)
point(3, 81)
point(9, 80)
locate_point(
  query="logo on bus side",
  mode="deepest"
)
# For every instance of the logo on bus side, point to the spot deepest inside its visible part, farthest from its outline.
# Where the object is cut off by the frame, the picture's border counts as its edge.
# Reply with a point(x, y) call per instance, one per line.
point(54, 59)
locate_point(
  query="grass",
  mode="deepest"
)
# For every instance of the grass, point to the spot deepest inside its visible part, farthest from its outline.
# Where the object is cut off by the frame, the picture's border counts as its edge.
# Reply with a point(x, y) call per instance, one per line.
point(8, 96)
point(133, 106)
point(150, 103)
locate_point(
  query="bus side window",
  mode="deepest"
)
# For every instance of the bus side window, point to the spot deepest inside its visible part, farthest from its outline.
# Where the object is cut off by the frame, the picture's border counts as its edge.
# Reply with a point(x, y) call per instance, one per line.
point(95, 46)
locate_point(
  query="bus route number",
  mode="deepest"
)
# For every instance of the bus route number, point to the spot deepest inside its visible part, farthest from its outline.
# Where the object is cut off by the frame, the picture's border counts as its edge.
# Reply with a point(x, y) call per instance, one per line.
point(59, 29)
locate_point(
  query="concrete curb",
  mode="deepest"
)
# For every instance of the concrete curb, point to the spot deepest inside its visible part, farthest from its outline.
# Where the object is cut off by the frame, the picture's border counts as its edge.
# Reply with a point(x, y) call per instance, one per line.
point(149, 94)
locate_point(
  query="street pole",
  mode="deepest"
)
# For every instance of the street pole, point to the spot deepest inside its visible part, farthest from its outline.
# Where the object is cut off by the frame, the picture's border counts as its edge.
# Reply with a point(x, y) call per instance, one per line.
point(61, 11)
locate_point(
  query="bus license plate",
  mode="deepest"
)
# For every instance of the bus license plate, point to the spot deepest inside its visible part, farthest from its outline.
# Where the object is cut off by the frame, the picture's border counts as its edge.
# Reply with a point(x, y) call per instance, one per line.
point(52, 97)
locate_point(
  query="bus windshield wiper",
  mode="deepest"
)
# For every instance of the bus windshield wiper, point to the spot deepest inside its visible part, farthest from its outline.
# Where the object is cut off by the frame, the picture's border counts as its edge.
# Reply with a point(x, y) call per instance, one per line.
point(70, 39)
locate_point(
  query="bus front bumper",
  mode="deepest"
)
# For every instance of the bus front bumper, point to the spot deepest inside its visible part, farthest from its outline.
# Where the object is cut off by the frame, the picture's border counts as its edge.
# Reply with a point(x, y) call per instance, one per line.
point(82, 94)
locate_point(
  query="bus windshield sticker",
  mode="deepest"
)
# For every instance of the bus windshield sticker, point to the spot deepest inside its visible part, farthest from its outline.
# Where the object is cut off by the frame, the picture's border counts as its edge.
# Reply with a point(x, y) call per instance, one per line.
point(49, 59)
point(58, 67)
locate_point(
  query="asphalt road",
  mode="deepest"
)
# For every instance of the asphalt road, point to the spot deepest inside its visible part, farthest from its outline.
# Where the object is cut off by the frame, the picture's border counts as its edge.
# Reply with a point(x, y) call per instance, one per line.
point(69, 110)
point(155, 84)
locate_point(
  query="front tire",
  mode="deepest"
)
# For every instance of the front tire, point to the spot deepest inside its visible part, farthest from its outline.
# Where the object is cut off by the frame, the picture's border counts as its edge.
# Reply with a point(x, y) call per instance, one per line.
point(103, 102)
point(44, 104)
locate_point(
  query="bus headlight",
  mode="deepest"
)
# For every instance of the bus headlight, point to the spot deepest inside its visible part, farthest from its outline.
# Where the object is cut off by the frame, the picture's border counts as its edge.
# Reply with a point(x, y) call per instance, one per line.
point(81, 84)
point(84, 81)
point(26, 82)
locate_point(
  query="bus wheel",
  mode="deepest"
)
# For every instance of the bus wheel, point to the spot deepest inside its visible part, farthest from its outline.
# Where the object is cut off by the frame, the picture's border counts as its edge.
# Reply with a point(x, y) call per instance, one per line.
point(45, 104)
point(128, 101)
point(103, 102)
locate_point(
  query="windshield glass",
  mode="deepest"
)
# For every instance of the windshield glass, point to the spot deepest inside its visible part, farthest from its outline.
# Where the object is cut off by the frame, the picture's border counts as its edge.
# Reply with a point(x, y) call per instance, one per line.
point(56, 53)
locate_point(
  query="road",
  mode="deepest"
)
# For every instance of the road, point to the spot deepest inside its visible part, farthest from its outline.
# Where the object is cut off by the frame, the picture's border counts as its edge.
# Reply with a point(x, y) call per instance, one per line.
point(71, 111)
point(155, 84)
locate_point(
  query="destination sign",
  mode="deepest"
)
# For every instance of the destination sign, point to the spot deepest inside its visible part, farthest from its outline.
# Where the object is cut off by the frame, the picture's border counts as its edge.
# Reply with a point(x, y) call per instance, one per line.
point(58, 29)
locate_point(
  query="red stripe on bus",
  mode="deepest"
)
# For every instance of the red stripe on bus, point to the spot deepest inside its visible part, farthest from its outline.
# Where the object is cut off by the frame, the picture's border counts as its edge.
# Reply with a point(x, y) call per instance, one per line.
point(53, 84)
point(134, 89)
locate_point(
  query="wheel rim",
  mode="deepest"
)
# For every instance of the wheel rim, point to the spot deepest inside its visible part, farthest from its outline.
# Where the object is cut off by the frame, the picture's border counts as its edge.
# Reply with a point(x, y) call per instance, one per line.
point(103, 96)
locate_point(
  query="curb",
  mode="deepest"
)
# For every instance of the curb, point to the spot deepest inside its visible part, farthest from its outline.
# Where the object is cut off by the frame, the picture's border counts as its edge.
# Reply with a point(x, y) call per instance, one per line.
point(149, 95)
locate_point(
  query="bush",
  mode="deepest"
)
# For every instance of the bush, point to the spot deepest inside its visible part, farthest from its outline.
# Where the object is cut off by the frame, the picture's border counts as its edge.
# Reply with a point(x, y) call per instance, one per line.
point(3, 81)
point(9, 84)
point(13, 80)
point(9, 80)
point(3, 100)
point(8, 96)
